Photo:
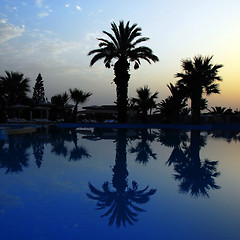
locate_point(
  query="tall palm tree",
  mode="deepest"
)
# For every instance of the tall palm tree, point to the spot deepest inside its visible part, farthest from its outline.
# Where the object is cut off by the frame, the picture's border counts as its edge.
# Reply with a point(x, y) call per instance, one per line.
point(122, 47)
point(78, 96)
point(15, 87)
point(145, 101)
point(198, 77)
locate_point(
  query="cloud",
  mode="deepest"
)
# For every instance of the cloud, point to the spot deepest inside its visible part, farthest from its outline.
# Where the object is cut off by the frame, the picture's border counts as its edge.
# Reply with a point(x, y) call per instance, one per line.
point(39, 3)
point(9, 31)
point(78, 8)
point(67, 5)
point(43, 14)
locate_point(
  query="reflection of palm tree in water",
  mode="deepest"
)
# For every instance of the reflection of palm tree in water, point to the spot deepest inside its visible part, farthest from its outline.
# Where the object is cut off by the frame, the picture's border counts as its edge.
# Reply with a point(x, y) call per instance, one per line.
point(14, 157)
point(196, 177)
point(78, 152)
point(143, 149)
point(120, 203)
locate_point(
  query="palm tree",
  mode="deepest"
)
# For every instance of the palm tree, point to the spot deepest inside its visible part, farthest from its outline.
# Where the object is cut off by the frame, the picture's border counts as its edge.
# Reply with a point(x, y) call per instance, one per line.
point(122, 46)
point(78, 96)
point(145, 101)
point(174, 105)
point(15, 87)
point(59, 101)
point(198, 77)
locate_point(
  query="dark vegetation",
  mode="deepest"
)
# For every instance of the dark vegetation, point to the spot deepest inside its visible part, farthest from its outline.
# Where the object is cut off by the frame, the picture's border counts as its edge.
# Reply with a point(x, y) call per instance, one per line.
point(199, 78)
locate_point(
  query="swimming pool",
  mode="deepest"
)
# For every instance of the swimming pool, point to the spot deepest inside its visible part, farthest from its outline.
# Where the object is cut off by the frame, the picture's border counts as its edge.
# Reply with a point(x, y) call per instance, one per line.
point(111, 183)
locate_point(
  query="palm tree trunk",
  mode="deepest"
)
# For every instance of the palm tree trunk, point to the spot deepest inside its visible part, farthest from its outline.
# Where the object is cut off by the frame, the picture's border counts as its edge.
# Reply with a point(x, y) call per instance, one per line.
point(195, 108)
point(74, 113)
point(121, 80)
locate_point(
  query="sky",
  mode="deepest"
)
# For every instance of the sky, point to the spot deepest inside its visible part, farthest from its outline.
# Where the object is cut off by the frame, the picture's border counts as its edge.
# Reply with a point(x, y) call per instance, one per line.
point(53, 37)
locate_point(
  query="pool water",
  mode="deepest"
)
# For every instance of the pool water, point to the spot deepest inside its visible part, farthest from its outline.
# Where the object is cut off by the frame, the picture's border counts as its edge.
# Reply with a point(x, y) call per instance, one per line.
point(86, 183)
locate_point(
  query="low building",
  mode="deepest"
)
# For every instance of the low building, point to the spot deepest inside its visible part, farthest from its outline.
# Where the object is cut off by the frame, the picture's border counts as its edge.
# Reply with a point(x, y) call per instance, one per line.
point(102, 113)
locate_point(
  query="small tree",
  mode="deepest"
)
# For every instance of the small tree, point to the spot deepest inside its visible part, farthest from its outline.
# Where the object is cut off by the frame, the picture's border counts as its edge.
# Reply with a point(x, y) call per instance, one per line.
point(38, 90)
point(78, 96)
point(145, 101)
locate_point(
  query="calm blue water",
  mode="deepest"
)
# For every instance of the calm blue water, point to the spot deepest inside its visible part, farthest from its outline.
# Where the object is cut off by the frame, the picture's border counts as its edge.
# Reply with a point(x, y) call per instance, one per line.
point(120, 184)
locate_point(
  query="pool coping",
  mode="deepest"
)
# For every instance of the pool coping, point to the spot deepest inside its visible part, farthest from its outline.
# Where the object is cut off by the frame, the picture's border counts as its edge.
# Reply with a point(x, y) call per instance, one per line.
point(153, 125)
point(213, 126)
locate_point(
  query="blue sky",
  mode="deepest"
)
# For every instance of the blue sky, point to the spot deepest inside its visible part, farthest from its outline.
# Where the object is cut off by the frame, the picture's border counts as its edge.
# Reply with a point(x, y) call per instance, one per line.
point(53, 37)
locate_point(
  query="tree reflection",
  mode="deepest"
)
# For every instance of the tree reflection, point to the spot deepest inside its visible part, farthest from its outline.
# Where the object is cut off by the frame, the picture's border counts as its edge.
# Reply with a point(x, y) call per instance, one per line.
point(121, 203)
point(227, 135)
point(196, 176)
point(143, 148)
point(14, 157)
point(60, 147)
point(38, 151)
point(78, 152)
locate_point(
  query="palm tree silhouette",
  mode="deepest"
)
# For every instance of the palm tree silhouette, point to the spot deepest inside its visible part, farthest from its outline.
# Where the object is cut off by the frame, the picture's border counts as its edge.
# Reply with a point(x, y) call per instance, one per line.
point(217, 110)
point(78, 96)
point(15, 87)
point(59, 101)
point(174, 105)
point(122, 46)
point(121, 203)
point(145, 101)
point(198, 77)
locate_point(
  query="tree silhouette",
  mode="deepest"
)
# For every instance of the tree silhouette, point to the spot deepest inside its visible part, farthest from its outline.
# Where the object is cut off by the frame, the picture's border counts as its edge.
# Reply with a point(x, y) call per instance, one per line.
point(38, 90)
point(122, 46)
point(198, 77)
point(78, 96)
point(145, 101)
point(121, 203)
point(15, 87)
point(59, 101)
point(173, 106)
